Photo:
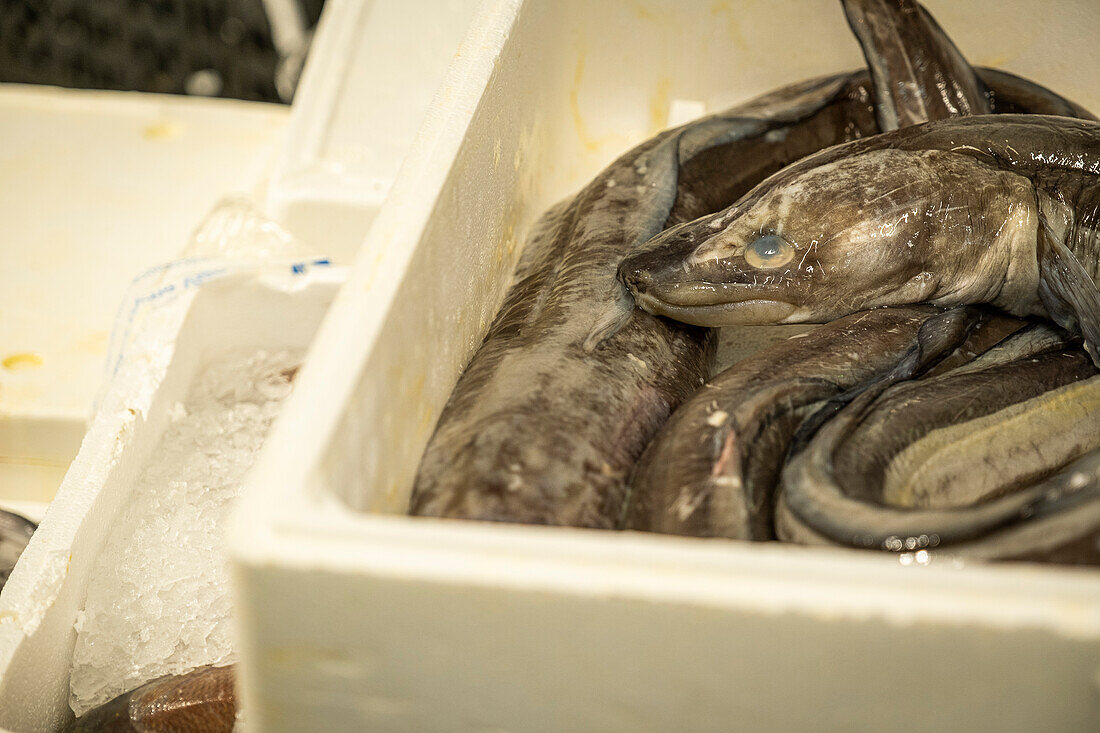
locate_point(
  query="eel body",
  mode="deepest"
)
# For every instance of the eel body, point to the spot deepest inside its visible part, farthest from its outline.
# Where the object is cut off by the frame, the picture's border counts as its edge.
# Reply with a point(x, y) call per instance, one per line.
point(15, 533)
point(544, 425)
point(956, 462)
point(712, 470)
point(917, 72)
point(546, 422)
point(997, 209)
point(201, 701)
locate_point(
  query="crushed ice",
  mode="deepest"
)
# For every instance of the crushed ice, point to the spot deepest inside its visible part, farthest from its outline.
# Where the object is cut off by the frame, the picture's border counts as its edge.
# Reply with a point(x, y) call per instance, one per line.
point(158, 600)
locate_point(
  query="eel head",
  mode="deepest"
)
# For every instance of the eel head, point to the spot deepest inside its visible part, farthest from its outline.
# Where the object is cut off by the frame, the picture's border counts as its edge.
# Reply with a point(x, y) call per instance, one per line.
point(824, 238)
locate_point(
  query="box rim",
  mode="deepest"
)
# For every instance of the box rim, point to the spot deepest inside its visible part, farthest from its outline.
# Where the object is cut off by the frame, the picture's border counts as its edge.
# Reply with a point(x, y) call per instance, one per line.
point(286, 522)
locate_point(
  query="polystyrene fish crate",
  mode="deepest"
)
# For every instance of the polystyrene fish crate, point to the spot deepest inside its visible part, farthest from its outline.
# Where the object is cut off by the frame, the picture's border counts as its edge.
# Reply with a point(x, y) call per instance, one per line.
point(98, 187)
point(354, 617)
point(219, 309)
point(371, 73)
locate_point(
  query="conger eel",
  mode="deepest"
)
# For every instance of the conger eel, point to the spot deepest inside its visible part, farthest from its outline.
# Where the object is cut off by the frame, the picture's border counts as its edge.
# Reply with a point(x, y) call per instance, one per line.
point(712, 469)
point(997, 209)
point(961, 462)
point(546, 423)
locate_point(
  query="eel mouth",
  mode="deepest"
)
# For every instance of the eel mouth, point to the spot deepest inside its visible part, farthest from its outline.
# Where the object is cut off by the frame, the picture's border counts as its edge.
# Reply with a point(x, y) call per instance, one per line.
point(661, 289)
point(748, 312)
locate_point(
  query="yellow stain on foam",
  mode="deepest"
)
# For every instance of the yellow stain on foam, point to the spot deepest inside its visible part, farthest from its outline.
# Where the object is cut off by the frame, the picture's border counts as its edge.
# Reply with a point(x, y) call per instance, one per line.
point(509, 228)
point(733, 23)
point(733, 26)
point(575, 106)
point(22, 361)
point(591, 144)
point(376, 266)
point(510, 237)
point(415, 389)
point(666, 17)
point(95, 343)
point(162, 130)
point(415, 395)
point(659, 105)
point(426, 421)
point(643, 12)
point(996, 61)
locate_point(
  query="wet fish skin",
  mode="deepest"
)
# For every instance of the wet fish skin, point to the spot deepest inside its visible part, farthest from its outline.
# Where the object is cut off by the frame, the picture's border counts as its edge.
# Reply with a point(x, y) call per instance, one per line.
point(913, 410)
point(998, 209)
point(201, 701)
point(712, 470)
point(15, 532)
point(917, 72)
point(838, 490)
point(1009, 93)
point(1063, 528)
point(545, 425)
point(956, 336)
point(1014, 94)
point(562, 292)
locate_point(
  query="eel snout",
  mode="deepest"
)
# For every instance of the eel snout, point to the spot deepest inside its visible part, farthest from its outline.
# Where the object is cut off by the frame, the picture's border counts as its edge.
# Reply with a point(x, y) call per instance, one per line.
point(677, 292)
point(662, 262)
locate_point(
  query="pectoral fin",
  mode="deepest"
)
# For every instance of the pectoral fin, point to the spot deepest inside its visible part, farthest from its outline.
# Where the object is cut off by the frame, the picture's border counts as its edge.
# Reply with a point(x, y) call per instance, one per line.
point(1067, 290)
point(937, 338)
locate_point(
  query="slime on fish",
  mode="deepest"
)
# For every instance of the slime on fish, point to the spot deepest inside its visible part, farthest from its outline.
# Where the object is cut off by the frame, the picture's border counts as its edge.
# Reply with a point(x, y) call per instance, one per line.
point(996, 209)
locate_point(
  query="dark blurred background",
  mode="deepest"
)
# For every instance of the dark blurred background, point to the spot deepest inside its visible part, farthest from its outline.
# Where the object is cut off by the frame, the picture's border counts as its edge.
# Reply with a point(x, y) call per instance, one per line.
point(218, 48)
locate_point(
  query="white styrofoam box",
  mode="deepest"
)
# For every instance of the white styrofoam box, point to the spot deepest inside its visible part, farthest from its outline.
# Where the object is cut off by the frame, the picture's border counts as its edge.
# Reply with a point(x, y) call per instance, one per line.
point(97, 187)
point(356, 620)
point(369, 77)
point(269, 307)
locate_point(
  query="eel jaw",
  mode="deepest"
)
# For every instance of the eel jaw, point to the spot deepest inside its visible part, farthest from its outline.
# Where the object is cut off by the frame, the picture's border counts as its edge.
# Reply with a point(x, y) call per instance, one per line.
point(755, 311)
point(700, 302)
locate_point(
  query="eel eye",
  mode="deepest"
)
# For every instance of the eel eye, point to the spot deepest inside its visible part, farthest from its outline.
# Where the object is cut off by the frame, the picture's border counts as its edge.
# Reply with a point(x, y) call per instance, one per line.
point(769, 251)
